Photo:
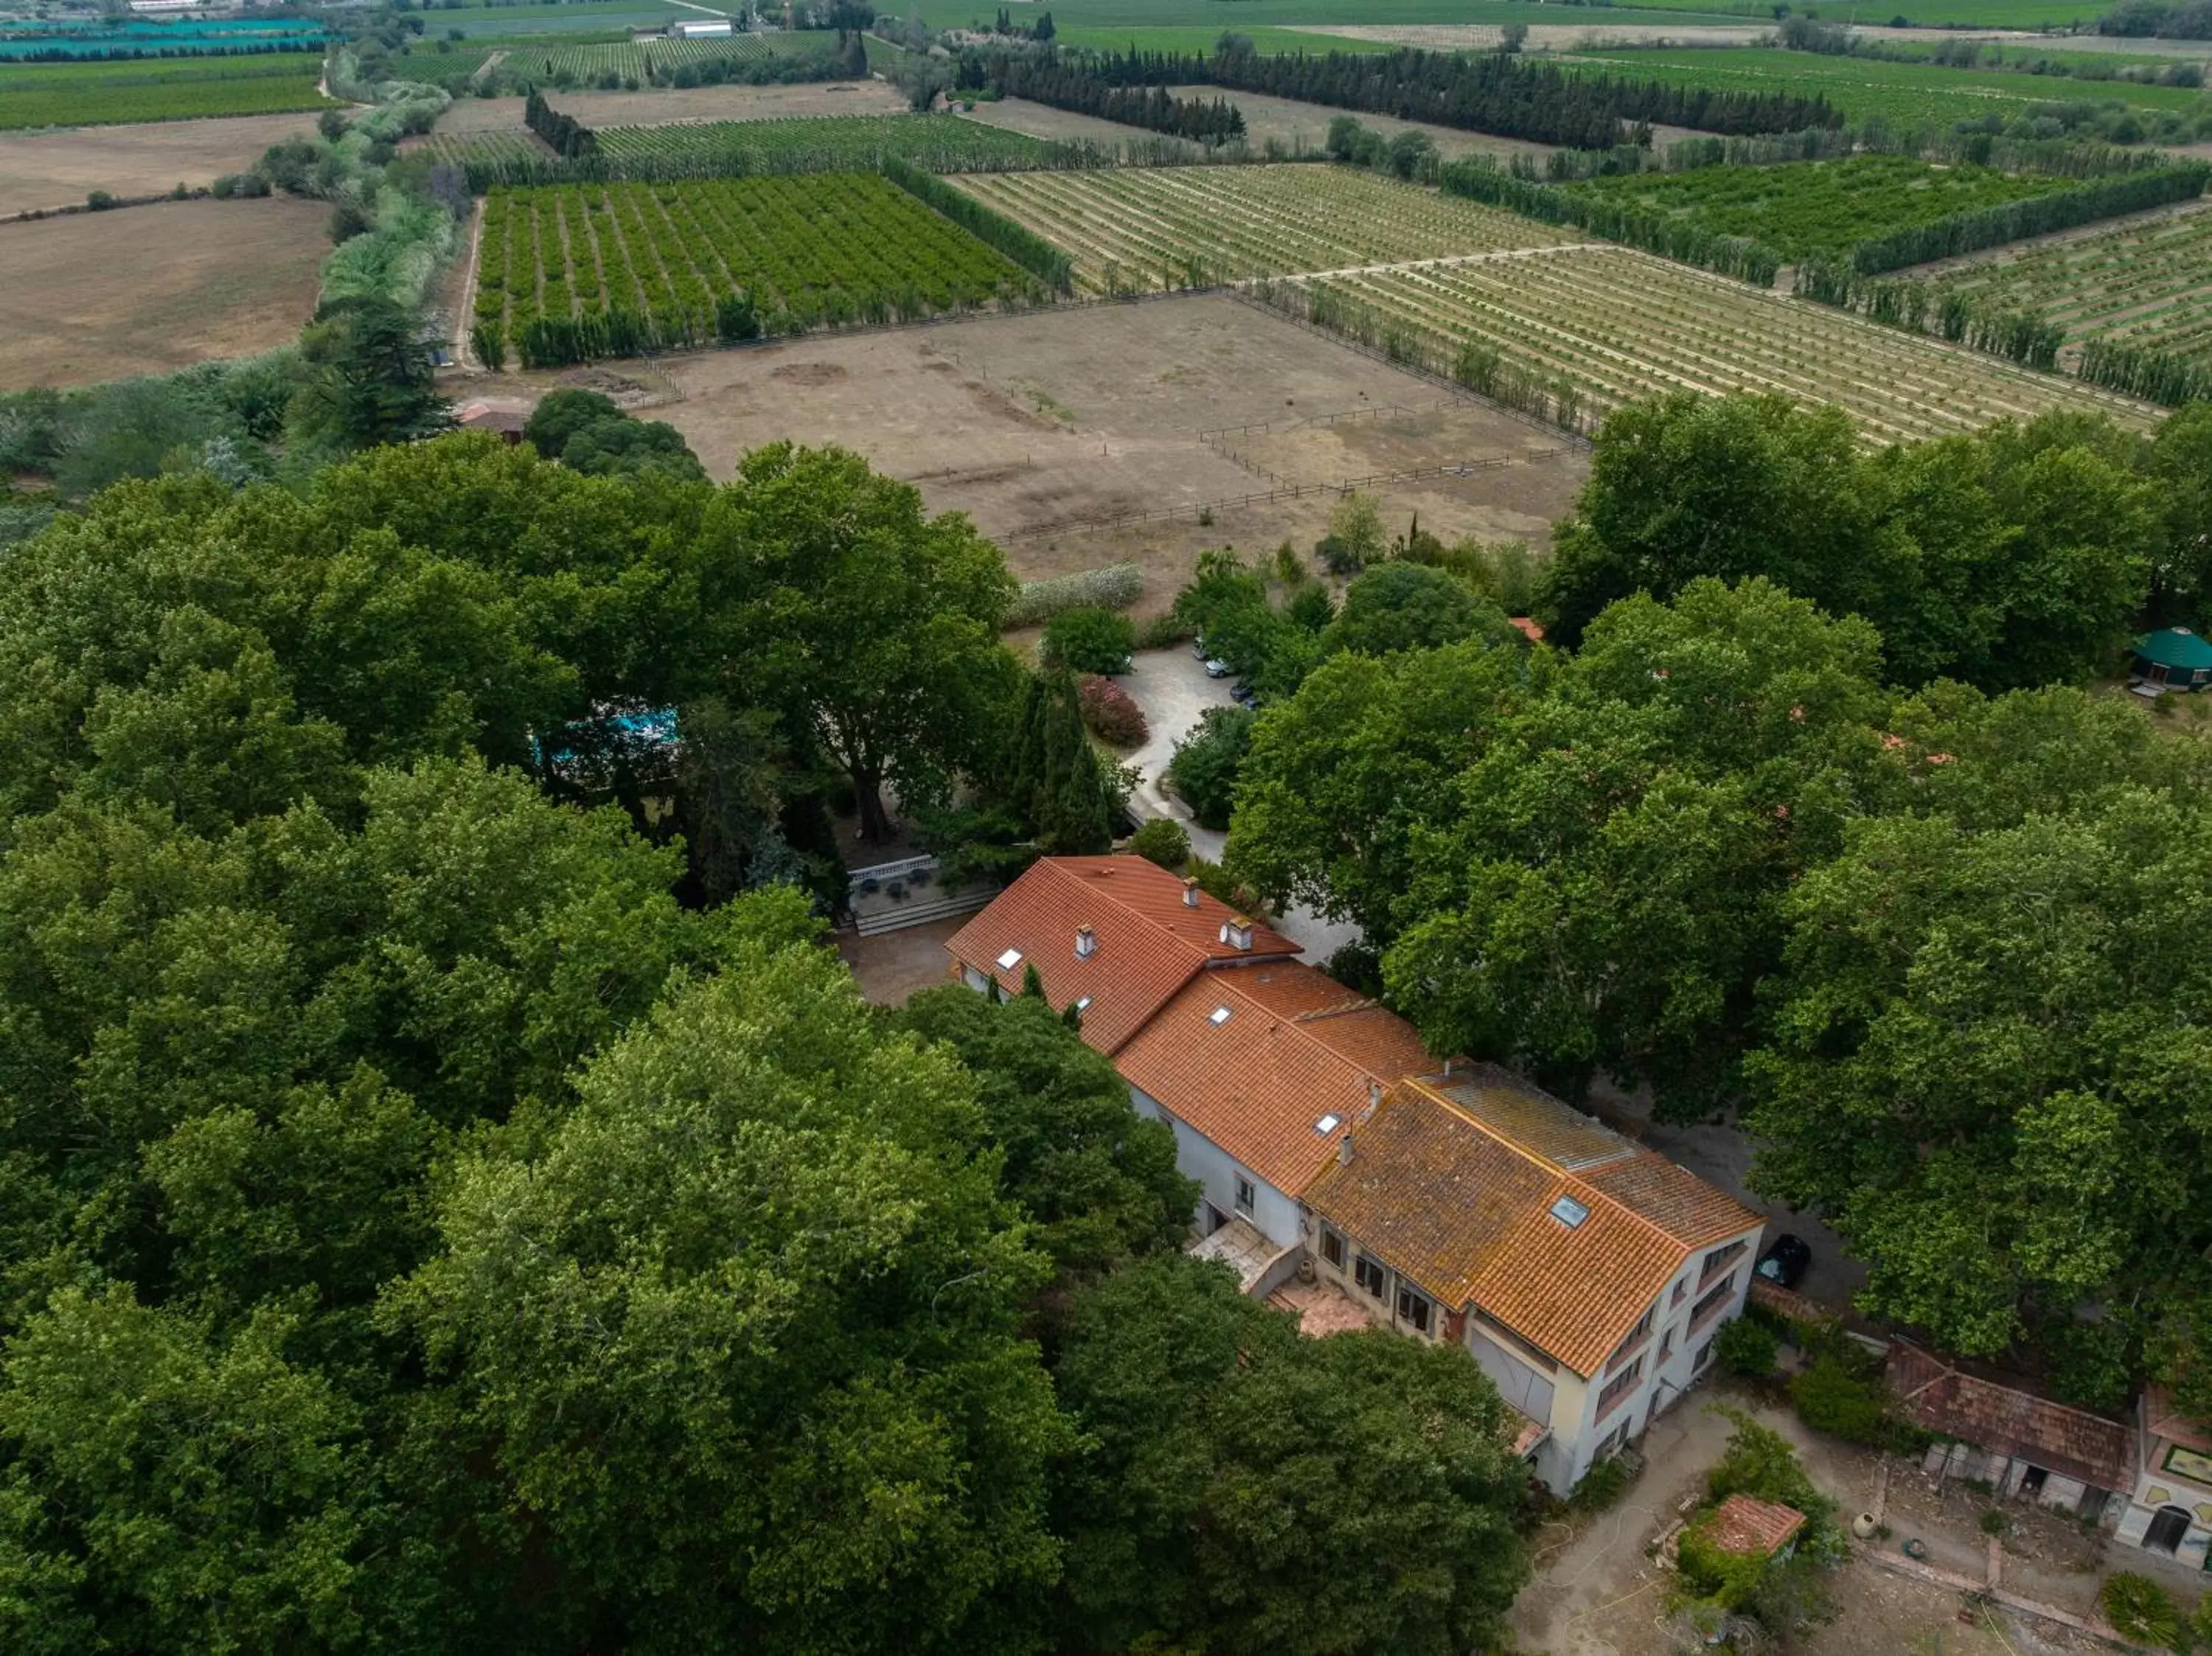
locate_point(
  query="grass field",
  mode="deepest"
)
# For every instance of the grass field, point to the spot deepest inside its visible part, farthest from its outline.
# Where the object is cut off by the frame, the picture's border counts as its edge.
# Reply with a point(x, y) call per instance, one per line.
point(1610, 324)
point(1201, 38)
point(1801, 208)
point(1130, 230)
point(157, 89)
point(1904, 95)
point(837, 248)
point(2147, 283)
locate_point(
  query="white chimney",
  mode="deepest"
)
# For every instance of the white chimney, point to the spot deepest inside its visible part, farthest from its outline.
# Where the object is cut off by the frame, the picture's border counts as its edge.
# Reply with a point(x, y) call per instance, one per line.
point(1086, 942)
point(1236, 932)
point(1190, 894)
point(1374, 1095)
point(1344, 1150)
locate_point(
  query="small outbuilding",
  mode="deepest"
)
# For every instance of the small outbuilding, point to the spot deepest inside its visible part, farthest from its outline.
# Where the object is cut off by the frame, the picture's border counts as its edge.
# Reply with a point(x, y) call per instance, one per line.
point(1749, 1527)
point(506, 424)
point(2172, 658)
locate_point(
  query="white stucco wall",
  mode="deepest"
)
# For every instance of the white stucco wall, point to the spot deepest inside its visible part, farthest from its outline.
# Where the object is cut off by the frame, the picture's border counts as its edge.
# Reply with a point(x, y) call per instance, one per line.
point(1274, 1213)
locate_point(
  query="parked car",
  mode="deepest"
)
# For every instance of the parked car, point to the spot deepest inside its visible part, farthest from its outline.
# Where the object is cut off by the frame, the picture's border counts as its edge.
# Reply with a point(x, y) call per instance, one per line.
point(1217, 669)
point(1197, 648)
point(1787, 1261)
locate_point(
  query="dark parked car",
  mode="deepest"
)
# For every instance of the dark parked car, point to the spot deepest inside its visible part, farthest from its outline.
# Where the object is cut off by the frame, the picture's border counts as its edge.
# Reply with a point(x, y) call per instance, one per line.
point(1787, 1261)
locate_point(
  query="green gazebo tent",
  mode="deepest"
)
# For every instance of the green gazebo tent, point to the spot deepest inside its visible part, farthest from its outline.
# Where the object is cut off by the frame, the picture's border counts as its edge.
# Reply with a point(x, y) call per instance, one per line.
point(2174, 660)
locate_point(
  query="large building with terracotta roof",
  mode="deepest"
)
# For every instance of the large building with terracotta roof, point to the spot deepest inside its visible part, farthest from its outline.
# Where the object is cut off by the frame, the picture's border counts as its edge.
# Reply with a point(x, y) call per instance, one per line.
point(1453, 1201)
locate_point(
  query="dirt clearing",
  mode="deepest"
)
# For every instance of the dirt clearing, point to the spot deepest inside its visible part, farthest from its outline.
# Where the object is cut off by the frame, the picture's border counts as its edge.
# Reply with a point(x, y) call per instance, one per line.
point(151, 289)
point(1063, 125)
point(44, 170)
point(665, 106)
point(1037, 424)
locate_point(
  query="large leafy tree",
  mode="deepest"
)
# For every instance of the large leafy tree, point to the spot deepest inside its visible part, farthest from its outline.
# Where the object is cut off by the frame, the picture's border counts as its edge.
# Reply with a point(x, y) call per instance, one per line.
point(1990, 1059)
point(1410, 606)
point(2016, 556)
point(1099, 1180)
point(737, 1337)
point(1251, 1490)
point(880, 621)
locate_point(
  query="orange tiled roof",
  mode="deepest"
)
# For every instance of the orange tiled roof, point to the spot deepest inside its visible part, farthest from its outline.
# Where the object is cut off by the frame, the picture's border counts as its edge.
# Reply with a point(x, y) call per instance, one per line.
point(1745, 1523)
point(1442, 1191)
point(2011, 1420)
point(1259, 1081)
point(1150, 943)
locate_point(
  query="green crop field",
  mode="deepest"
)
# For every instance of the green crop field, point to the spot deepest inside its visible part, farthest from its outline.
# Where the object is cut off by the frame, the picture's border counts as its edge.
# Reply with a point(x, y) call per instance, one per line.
point(842, 247)
point(807, 144)
point(1130, 229)
point(600, 15)
point(2147, 283)
point(1904, 95)
point(1198, 38)
point(1601, 326)
point(1800, 208)
point(157, 89)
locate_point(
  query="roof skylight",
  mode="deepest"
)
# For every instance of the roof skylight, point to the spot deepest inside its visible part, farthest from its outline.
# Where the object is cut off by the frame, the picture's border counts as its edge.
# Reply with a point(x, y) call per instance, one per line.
point(1218, 1017)
point(1010, 959)
point(1569, 1212)
point(1328, 1124)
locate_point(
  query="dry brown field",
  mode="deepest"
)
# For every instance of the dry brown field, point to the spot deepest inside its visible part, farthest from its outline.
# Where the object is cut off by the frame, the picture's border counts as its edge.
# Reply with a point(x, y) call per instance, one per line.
point(151, 289)
point(1304, 126)
point(666, 105)
point(49, 169)
point(1061, 125)
point(1037, 425)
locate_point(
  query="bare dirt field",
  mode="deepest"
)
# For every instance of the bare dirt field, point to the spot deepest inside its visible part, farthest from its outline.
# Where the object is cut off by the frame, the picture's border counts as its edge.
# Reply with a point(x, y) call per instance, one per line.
point(1036, 424)
point(150, 289)
point(666, 104)
point(49, 169)
point(1061, 125)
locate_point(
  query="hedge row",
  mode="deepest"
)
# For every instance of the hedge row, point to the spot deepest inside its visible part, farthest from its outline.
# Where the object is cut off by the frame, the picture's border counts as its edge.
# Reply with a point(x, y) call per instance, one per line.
point(2154, 376)
point(1654, 233)
point(1992, 227)
point(1916, 307)
point(987, 224)
point(567, 136)
point(1115, 586)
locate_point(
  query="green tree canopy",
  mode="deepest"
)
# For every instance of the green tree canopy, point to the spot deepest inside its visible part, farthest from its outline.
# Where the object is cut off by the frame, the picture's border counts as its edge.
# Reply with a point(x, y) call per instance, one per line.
point(1231, 1454)
point(1410, 606)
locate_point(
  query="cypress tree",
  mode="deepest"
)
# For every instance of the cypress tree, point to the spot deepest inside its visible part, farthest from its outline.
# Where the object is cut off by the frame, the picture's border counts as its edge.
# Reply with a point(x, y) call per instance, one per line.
point(1056, 781)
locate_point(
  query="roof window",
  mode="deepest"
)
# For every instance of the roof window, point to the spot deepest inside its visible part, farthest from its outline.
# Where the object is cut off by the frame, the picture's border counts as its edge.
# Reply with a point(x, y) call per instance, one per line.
point(1569, 1212)
point(1010, 959)
point(1082, 1004)
point(1218, 1017)
point(1328, 1124)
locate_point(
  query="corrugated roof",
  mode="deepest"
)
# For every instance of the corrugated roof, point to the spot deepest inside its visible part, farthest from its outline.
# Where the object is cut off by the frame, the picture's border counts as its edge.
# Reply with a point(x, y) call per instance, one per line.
point(1745, 1523)
point(1259, 1081)
point(2012, 1419)
point(1448, 1197)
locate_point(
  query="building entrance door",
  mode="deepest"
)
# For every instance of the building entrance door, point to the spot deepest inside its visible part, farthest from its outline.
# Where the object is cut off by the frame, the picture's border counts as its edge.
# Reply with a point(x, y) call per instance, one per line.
point(2166, 1529)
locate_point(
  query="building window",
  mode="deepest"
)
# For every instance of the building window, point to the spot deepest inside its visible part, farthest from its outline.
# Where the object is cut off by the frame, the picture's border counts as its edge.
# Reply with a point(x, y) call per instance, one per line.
point(1666, 1350)
point(1619, 1387)
point(1636, 1336)
point(1331, 1246)
point(1719, 1258)
point(1244, 1194)
point(1705, 1356)
point(1413, 1308)
point(1681, 1289)
point(1370, 1276)
point(1609, 1442)
point(1712, 1301)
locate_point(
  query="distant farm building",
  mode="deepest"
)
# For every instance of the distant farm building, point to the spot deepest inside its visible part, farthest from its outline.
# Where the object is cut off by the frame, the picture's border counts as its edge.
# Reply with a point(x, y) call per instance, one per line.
point(700, 29)
point(2174, 659)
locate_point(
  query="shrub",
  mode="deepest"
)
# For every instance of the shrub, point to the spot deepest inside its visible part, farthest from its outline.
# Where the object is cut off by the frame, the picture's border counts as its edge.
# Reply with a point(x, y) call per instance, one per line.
point(1759, 1462)
point(1747, 1346)
point(1163, 841)
point(1355, 535)
point(1164, 632)
point(1726, 1579)
point(1995, 1522)
point(1831, 1398)
point(1204, 769)
point(1606, 1482)
point(1116, 586)
point(1215, 882)
point(1357, 966)
point(2139, 1609)
point(1110, 712)
point(99, 201)
point(1088, 639)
